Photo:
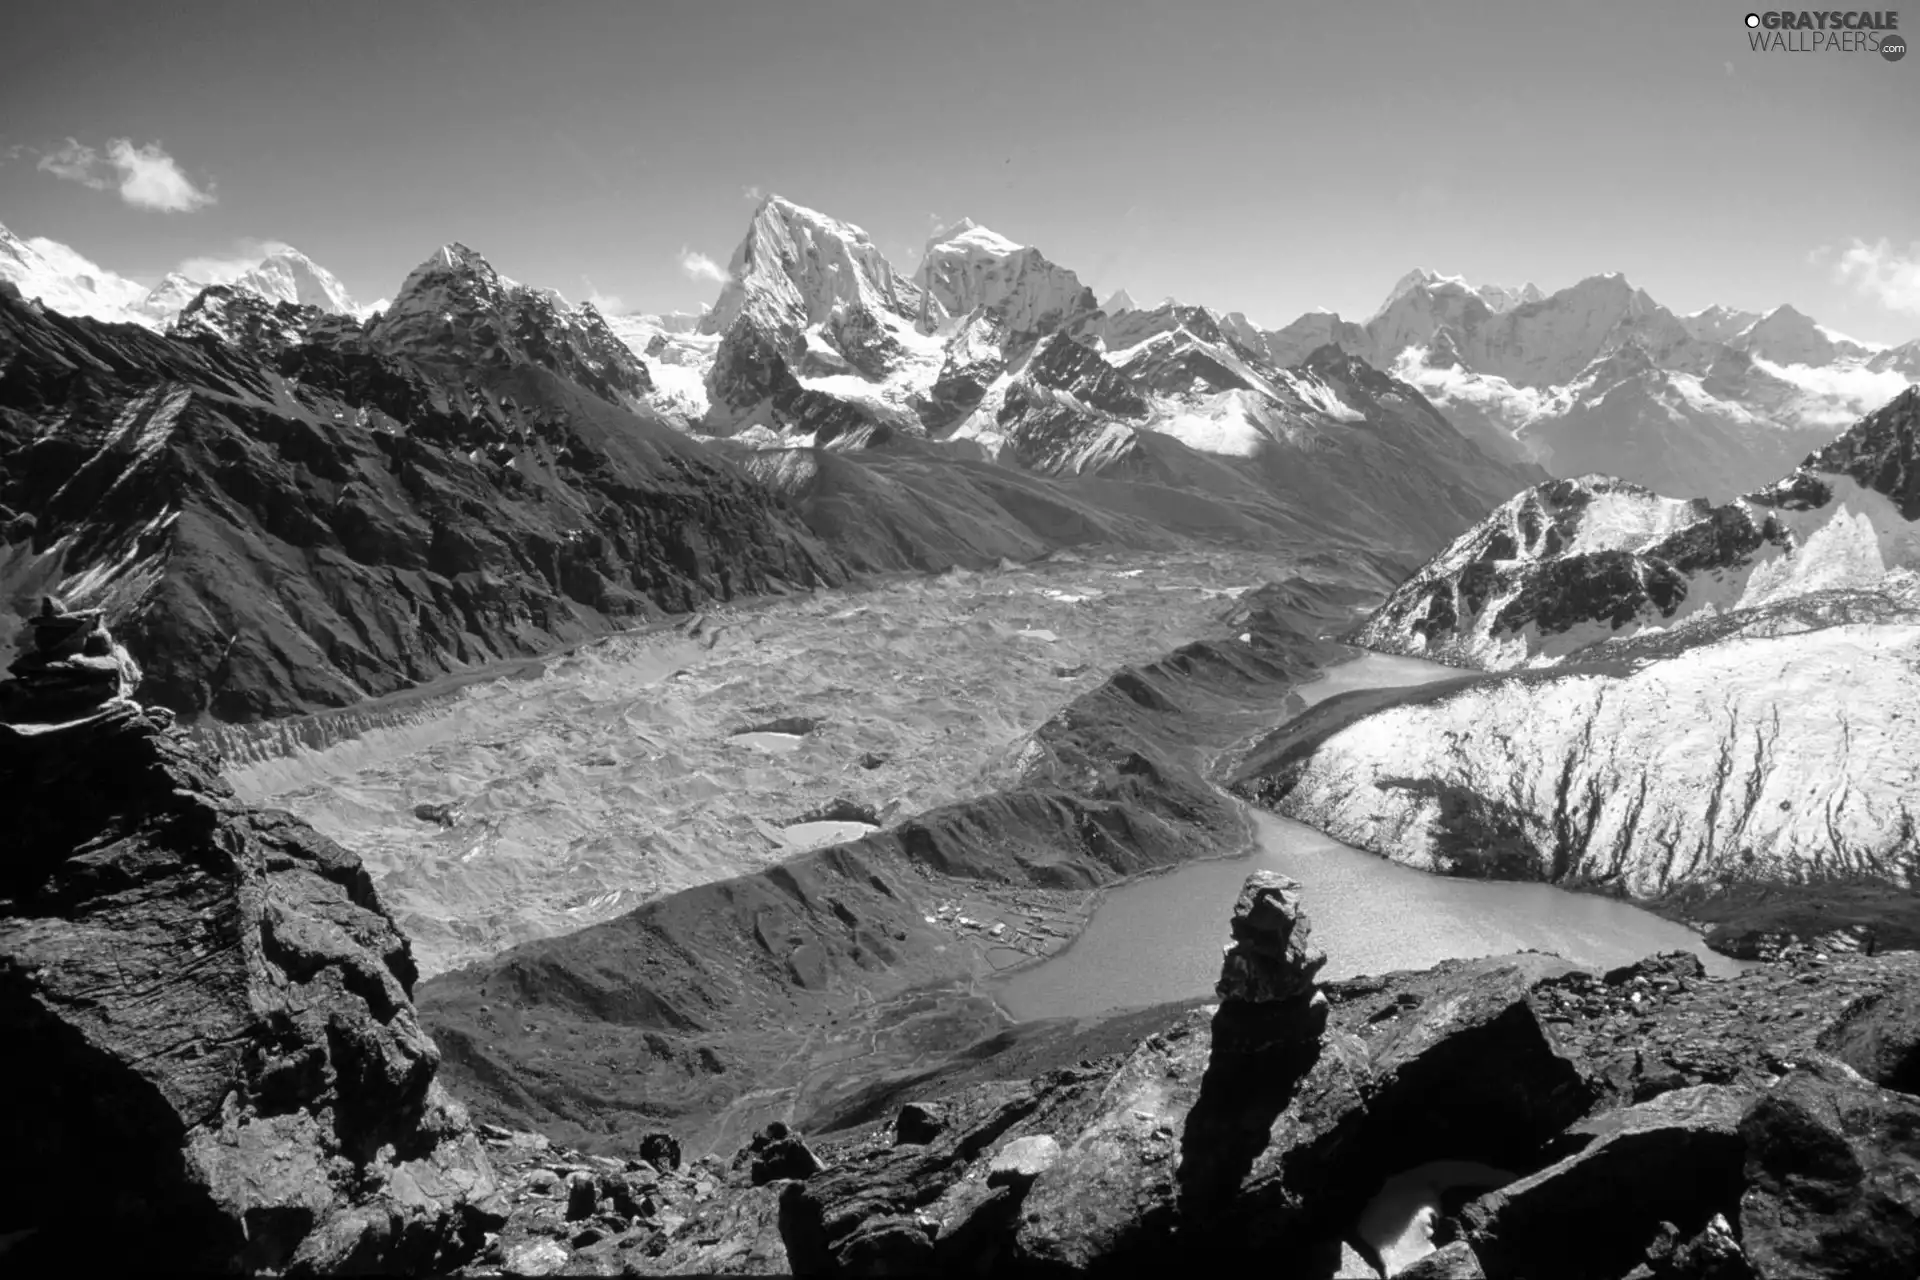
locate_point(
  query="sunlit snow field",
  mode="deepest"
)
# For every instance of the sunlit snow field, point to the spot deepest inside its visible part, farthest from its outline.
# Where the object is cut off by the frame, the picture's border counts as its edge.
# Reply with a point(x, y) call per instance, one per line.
point(627, 769)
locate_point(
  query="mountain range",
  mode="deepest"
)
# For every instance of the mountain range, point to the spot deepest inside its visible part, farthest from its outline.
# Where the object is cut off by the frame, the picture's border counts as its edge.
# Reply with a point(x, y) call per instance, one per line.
point(816, 336)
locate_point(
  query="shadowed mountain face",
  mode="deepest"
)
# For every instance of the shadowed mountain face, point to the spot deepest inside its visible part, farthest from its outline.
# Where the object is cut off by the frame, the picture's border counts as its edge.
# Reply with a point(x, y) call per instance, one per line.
point(282, 510)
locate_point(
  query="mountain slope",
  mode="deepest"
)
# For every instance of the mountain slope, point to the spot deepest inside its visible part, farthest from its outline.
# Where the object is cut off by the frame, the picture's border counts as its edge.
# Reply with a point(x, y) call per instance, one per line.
point(291, 512)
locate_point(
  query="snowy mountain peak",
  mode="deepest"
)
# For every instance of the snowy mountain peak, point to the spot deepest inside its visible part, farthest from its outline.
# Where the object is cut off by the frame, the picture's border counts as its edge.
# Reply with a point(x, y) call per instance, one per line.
point(968, 267)
point(64, 281)
point(1120, 300)
point(797, 265)
point(287, 275)
point(969, 234)
point(1497, 297)
point(1787, 336)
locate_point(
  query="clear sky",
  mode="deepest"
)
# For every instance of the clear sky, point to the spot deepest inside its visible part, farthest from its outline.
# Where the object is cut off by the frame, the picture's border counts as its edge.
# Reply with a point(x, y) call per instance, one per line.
point(1268, 157)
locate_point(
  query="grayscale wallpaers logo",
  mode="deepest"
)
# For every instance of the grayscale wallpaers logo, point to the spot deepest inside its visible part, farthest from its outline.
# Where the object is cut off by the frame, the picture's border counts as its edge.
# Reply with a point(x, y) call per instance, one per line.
point(1828, 31)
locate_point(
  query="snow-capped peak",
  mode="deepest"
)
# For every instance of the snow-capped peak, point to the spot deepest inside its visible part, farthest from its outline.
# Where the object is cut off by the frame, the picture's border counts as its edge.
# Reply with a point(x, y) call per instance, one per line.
point(798, 264)
point(1120, 300)
point(969, 234)
point(1497, 297)
point(287, 275)
point(967, 267)
point(66, 282)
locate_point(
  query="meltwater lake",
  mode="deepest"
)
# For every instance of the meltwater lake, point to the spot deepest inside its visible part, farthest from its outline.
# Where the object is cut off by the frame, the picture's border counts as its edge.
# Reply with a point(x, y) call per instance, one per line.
point(1160, 938)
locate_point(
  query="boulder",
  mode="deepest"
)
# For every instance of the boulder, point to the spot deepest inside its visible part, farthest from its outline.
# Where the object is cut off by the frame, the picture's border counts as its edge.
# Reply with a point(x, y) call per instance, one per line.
point(206, 1021)
point(1021, 1161)
point(661, 1150)
point(1833, 1178)
point(919, 1123)
point(1676, 1159)
point(1879, 1036)
point(1455, 1261)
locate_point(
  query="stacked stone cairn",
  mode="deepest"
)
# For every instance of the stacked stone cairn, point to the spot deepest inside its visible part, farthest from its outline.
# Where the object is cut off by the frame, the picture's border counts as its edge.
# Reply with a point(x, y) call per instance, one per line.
point(70, 668)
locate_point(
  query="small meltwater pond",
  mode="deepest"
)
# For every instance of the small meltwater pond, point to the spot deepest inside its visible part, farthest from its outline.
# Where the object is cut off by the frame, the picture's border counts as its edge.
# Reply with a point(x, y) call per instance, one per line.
point(1160, 939)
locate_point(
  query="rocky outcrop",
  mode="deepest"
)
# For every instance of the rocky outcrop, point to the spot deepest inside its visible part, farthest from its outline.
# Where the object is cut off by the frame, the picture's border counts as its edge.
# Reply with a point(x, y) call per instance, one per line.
point(1648, 1122)
point(206, 1024)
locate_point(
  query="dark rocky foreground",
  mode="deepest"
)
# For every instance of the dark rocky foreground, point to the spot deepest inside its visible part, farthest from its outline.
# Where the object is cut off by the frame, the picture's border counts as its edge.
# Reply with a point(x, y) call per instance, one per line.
point(206, 1023)
point(1649, 1122)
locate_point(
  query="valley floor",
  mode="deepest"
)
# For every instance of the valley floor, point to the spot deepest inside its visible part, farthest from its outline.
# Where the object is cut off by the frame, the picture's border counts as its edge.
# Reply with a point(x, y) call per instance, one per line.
point(580, 788)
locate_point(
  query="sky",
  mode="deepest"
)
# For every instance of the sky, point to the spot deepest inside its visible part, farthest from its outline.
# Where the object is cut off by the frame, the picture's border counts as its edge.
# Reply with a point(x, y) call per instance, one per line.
point(1265, 157)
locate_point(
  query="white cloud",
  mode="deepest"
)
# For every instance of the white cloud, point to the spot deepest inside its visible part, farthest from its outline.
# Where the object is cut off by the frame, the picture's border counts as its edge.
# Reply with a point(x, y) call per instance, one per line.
point(753, 193)
point(226, 268)
point(698, 266)
point(1887, 275)
point(146, 177)
point(76, 163)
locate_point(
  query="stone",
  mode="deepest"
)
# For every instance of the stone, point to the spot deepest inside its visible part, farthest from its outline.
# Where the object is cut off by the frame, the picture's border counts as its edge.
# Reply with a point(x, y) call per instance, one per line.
point(919, 1123)
point(1019, 1162)
point(776, 1153)
point(72, 668)
point(661, 1150)
point(583, 1196)
point(1833, 1178)
point(536, 1258)
point(1455, 1261)
point(1272, 958)
point(1674, 1159)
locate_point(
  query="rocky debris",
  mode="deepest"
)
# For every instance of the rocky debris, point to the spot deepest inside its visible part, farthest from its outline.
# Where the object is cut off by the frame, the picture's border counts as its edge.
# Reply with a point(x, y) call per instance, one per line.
point(71, 667)
point(1713, 1254)
point(919, 1123)
point(1833, 1178)
point(206, 1022)
point(1675, 1160)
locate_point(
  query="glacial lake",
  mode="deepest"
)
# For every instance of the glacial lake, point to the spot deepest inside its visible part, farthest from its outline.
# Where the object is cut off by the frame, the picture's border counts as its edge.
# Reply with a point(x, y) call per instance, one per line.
point(1160, 938)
